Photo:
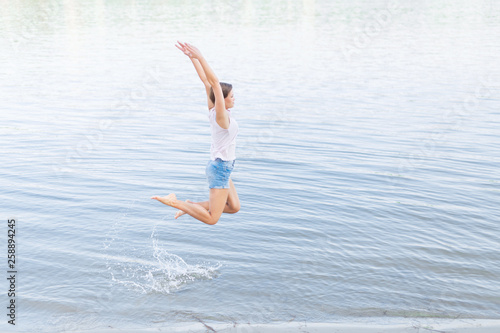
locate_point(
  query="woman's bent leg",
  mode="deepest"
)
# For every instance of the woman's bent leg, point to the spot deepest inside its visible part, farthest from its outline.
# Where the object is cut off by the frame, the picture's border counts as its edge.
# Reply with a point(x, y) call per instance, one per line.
point(216, 204)
point(232, 203)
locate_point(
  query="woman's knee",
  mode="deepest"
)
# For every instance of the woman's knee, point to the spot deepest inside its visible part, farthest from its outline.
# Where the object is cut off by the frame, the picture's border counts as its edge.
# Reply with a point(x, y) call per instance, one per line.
point(235, 208)
point(212, 222)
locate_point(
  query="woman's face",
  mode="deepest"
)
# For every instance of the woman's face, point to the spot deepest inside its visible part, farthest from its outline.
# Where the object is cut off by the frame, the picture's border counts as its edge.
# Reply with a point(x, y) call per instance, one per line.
point(229, 100)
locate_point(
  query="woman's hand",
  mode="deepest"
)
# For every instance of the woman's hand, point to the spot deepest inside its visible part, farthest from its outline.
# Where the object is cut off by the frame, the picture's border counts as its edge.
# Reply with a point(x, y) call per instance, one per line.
point(190, 50)
point(193, 51)
point(182, 47)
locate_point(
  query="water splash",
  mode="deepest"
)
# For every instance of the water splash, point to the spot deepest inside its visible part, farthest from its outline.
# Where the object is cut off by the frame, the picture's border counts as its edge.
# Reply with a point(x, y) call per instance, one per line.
point(150, 268)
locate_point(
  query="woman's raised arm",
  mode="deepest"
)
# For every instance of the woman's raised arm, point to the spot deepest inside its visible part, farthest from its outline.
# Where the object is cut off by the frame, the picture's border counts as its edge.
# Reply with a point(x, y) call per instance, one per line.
point(220, 106)
point(199, 71)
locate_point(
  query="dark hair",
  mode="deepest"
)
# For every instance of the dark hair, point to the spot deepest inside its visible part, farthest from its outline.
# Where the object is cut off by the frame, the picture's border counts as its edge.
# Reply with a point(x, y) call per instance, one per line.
point(226, 89)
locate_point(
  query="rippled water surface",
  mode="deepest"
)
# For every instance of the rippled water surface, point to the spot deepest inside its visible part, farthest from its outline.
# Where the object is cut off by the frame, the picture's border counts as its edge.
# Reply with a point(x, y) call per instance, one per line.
point(367, 161)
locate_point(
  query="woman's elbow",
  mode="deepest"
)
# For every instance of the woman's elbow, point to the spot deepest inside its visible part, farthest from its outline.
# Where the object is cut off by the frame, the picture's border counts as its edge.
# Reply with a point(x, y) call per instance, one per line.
point(214, 82)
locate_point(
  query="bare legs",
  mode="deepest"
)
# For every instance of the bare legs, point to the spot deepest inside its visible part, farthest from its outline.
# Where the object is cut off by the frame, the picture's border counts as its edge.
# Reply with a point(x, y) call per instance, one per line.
point(209, 212)
point(232, 203)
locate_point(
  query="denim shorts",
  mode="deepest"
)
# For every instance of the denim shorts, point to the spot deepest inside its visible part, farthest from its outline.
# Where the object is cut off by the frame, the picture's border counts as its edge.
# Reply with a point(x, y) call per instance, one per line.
point(218, 172)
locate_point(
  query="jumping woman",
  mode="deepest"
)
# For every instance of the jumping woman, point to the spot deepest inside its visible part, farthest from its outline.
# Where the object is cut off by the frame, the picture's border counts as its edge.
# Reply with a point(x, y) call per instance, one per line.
point(223, 196)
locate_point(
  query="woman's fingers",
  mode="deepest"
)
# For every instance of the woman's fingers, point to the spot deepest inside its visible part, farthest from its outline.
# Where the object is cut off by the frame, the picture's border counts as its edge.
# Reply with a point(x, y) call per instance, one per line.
point(183, 49)
point(189, 50)
point(193, 50)
point(191, 47)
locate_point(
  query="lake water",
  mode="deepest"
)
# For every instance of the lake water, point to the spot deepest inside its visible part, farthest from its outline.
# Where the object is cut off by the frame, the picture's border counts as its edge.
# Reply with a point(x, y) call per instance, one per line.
point(367, 162)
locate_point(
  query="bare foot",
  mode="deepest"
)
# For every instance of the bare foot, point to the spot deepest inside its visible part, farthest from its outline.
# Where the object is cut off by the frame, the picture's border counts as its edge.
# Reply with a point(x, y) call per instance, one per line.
point(169, 200)
point(181, 212)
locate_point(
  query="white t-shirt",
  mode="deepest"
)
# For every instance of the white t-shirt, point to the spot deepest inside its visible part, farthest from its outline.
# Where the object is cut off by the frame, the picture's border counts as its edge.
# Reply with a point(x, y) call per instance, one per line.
point(223, 140)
